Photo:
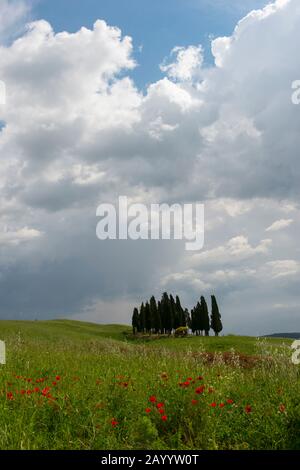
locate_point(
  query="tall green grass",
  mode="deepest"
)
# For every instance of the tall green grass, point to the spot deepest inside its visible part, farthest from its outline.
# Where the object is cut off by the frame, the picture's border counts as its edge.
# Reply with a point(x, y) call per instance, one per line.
point(95, 390)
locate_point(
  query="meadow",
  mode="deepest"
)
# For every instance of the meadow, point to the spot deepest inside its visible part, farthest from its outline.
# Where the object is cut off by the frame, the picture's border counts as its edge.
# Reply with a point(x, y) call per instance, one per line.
point(74, 385)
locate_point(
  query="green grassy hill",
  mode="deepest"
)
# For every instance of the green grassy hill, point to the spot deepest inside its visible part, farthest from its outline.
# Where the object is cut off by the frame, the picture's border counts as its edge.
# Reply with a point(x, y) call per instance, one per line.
point(72, 332)
point(75, 385)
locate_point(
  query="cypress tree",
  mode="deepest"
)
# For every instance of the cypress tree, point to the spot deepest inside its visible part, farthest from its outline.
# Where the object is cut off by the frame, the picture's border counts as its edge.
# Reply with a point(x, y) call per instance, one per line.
point(135, 321)
point(159, 313)
point(193, 320)
point(148, 322)
point(180, 317)
point(198, 319)
point(206, 326)
point(142, 318)
point(172, 308)
point(215, 319)
point(187, 318)
point(163, 312)
point(166, 313)
point(155, 316)
point(201, 318)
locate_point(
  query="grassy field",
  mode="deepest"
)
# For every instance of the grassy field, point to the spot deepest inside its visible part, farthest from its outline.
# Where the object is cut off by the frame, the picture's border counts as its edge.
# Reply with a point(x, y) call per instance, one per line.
point(73, 385)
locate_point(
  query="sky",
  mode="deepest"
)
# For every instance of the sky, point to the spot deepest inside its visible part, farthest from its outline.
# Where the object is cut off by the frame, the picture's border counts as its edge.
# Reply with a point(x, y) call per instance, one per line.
point(164, 102)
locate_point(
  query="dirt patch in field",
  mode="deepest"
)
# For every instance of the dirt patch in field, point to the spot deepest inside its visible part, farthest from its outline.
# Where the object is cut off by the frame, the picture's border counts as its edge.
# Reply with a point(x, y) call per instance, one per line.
point(234, 359)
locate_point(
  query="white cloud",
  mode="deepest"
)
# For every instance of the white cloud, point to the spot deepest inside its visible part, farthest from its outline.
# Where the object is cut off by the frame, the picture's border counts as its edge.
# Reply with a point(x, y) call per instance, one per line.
point(283, 268)
point(13, 14)
point(279, 225)
point(236, 249)
point(188, 62)
point(15, 237)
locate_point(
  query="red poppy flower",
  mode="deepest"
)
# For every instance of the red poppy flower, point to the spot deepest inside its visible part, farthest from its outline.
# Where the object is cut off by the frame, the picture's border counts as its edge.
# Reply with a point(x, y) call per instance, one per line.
point(23, 392)
point(152, 399)
point(199, 390)
point(221, 405)
point(148, 410)
point(161, 411)
point(229, 401)
point(282, 408)
point(248, 409)
point(189, 378)
point(200, 377)
point(114, 422)
point(54, 383)
point(9, 396)
point(160, 405)
point(213, 404)
point(36, 389)
point(57, 377)
point(194, 402)
point(164, 418)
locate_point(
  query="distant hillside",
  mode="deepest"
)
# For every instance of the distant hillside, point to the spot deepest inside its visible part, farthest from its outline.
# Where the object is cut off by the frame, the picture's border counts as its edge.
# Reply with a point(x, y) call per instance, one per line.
point(284, 335)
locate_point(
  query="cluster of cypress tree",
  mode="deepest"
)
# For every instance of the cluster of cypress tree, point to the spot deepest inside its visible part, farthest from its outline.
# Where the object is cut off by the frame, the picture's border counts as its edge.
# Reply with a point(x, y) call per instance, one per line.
point(167, 315)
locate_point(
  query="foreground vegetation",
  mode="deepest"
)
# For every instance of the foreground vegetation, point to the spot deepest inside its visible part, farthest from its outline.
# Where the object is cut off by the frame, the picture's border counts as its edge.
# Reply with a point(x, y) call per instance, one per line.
point(71, 385)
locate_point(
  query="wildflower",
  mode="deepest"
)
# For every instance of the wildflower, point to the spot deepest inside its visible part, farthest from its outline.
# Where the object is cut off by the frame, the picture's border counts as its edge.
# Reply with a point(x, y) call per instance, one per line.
point(57, 378)
point(213, 404)
point(152, 399)
point(23, 392)
point(114, 422)
point(221, 405)
point(194, 402)
point(161, 411)
point(160, 405)
point(200, 377)
point(45, 391)
point(248, 409)
point(54, 383)
point(229, 401)
point(164, 418)
point(282, 408)
point(199, 390)
point(189, 378)
point(148, 410)
point(29, 392)
point(36, 389)
point(9, 396)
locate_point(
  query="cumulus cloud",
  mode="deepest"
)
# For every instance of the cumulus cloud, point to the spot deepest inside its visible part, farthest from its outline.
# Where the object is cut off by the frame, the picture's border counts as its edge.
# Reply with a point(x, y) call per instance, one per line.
point(286, 267)
point(235, 250)
point(16, 237)
point(13, 14)
point(279, 224)
point(187, 64)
